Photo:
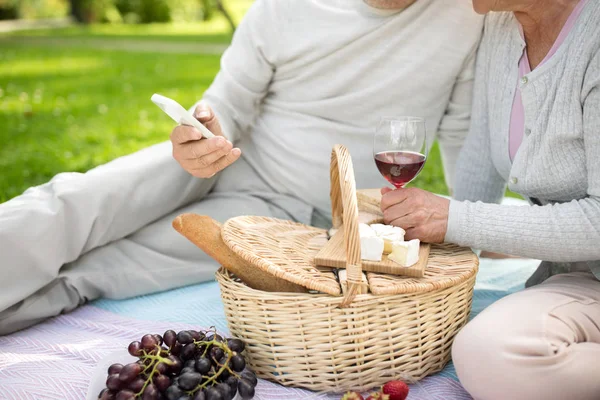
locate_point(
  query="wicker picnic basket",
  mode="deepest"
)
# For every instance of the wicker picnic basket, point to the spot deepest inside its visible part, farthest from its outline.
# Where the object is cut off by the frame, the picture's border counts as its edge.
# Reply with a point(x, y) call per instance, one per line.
point(324, 341)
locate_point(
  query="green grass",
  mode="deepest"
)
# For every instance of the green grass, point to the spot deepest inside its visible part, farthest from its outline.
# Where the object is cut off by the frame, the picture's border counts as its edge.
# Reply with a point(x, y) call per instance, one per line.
point(215, 31)
point(62, 110)
point(73, 109)
point(69, 108)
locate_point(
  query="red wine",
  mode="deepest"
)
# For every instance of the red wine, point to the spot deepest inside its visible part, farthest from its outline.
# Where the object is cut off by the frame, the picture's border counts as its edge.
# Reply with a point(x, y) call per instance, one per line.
point(399, 167)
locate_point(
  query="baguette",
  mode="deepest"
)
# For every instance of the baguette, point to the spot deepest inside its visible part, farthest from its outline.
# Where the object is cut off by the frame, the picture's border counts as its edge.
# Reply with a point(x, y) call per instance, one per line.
point(205, 233)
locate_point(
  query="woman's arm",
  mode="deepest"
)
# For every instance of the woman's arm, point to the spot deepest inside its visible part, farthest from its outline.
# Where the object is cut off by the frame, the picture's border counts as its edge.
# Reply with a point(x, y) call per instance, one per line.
point(557, 232)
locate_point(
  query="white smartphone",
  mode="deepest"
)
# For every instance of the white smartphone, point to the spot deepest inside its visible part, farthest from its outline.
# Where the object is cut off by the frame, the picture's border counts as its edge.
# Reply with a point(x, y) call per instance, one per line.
point(179, 114)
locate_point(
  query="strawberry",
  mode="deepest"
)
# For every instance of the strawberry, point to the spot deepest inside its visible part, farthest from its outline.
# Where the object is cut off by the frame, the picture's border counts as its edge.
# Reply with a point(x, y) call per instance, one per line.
point(397, 390)
point(352, 396)
point(378, 396)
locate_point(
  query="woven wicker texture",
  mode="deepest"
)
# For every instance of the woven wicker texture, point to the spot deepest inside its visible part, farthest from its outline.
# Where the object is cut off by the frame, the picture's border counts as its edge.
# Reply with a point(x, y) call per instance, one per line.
point(282, 248)
point(326, 343)
point(448, 265)
point(308, 341)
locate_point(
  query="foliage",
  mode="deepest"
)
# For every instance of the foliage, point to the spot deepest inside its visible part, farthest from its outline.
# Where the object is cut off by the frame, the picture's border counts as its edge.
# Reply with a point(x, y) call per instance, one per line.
point(33, 9)
point(147, 11)
point(89, 11)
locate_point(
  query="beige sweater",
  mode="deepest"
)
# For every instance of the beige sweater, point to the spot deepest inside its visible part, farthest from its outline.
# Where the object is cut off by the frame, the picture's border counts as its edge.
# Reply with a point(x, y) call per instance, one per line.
point(558, 163)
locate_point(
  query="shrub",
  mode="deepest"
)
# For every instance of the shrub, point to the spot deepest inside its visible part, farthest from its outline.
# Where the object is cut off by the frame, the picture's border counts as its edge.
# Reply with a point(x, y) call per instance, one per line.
point(147, 11)
point(33, 9)
point(89, 11)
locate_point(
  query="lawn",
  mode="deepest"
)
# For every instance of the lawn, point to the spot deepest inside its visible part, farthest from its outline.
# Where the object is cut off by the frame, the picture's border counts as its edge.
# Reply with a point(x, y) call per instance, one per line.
point(70, 108)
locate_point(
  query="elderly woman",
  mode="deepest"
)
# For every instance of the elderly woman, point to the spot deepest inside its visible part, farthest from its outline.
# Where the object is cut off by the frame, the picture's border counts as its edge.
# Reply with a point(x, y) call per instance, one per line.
point(535, 126)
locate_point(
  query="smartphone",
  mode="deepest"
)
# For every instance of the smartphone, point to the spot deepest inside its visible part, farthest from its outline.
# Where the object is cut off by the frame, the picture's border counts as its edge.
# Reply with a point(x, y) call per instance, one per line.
point(179, 114)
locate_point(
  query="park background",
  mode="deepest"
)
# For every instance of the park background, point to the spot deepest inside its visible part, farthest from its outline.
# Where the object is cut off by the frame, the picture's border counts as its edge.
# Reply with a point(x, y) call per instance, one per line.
point(76, 79)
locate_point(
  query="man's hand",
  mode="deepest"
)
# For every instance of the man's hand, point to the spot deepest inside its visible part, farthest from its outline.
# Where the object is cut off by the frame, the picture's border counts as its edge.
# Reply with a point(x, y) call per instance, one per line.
point(421, 214)
point(203, 157)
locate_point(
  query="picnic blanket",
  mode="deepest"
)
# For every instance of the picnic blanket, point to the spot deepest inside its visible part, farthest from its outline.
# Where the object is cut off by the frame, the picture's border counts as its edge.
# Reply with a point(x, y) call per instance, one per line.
point(65, 357)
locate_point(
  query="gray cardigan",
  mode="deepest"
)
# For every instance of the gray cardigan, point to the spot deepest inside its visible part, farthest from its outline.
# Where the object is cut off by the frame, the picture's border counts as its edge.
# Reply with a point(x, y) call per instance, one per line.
point(557, 166)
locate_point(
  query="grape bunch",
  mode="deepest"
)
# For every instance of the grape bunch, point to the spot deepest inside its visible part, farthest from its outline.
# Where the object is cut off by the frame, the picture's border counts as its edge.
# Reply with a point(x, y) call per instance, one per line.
point(189, 365)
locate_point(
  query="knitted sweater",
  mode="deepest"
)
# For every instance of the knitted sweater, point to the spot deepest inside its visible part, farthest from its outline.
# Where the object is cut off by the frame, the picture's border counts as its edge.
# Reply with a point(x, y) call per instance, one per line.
point(557, 166)
point(301, 76)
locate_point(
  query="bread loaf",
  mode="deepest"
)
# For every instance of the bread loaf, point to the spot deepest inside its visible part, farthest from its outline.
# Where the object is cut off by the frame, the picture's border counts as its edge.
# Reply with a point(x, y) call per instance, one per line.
point(205, 233)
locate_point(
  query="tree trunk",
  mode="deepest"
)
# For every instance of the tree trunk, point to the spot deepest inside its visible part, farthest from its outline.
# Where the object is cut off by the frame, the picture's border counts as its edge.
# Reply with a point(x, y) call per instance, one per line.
point(226, 14)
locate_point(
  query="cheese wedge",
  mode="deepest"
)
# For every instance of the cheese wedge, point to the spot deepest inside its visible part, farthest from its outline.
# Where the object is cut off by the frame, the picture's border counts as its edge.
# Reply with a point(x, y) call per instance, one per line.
point(389, 234)
point(371, 246)
point(405, 253)
point(365, 230)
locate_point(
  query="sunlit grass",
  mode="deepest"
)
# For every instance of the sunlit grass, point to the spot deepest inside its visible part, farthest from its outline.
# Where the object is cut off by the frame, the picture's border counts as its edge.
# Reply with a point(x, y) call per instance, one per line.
point(65, 111)
point(71, 109)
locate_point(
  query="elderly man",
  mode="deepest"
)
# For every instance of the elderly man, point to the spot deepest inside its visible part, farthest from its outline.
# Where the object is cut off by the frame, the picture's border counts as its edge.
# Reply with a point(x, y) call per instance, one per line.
point(299, 77)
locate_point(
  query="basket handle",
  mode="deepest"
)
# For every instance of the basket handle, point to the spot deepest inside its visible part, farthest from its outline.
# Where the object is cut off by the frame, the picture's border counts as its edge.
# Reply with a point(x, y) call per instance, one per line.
point(344, 209)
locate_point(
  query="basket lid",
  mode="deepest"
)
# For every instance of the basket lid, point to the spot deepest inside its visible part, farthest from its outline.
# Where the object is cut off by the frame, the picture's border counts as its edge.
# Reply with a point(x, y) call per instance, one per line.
point(287, 249)
point(282, 248)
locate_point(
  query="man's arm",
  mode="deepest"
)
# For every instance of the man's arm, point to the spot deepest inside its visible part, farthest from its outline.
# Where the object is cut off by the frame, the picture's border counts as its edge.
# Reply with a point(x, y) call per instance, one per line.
point(247, 67)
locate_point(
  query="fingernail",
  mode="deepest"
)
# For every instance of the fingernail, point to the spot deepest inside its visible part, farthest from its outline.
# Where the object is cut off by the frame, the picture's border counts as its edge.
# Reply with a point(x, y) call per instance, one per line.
point(236, 152)
point(221, 142)
point(203, 114)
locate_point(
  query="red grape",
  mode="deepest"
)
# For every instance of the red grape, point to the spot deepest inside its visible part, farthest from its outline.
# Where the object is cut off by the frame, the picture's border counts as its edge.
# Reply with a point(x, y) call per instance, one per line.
point(161, 367)
point(106, 395)
point(162, 382)
point(115, 369)
point(130, 372)
point(113, 382)
point(250, 377)
point(245, 389)
point(137, 384)
point(149, 342)
point(176, 364)
point(170, 337)
point(184, 337)
point(189, 380)
point(135, 348)
point(199, 395)
point(125, 395)
point(176, 349)
point(202, 365)
point(195, 335)
point(188, 351)
point(236, 345)
point(238, 363)
point(150, 393)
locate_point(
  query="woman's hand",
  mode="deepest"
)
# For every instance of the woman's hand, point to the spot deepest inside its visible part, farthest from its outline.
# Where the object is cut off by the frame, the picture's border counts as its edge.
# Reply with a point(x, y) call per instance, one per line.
point(421, 214)
point(201, 157)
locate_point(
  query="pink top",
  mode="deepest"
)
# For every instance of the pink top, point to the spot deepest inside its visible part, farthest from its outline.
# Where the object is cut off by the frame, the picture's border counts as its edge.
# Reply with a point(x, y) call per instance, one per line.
point(517, 117)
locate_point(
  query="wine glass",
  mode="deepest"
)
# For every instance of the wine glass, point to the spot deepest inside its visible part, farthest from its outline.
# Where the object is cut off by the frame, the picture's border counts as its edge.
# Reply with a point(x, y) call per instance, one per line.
point(400, 148)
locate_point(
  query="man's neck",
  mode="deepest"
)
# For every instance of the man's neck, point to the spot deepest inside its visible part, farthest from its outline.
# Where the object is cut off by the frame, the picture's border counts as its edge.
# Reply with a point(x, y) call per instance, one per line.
point(389, 4)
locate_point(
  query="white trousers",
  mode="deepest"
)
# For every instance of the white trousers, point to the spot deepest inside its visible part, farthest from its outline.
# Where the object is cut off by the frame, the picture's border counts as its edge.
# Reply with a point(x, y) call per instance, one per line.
point(542, 343)
point(107, 233)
